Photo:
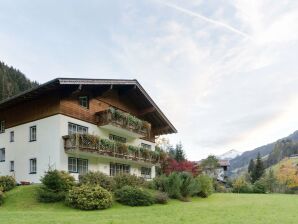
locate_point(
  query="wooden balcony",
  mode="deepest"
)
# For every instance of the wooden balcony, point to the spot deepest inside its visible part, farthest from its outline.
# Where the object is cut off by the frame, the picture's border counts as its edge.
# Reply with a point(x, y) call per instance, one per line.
point(91, 145)
point(122, 122)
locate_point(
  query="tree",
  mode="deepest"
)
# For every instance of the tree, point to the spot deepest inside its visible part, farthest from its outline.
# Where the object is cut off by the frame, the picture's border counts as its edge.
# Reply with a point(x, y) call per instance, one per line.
point(258, 170)
point(179, 153)
point(251, 166)
point(270, 181)
point(211, 163)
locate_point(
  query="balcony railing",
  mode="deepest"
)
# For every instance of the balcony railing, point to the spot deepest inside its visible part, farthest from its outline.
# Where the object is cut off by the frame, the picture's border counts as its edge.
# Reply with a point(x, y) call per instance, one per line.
point(103, 147)
point(125, 121)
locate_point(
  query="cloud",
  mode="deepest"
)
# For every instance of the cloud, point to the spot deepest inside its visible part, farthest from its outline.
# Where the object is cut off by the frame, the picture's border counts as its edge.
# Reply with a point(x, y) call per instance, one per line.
point(219, 89)
point(202, 17)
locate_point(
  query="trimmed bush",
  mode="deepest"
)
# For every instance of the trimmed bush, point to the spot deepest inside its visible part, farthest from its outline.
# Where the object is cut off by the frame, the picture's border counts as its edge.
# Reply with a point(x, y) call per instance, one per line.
point(55, 185)
point(88, 197)
point(7, 183)
point(133, 196)
point(126, 179)
point(98, 178)
point(205, 184)
point(161, 198)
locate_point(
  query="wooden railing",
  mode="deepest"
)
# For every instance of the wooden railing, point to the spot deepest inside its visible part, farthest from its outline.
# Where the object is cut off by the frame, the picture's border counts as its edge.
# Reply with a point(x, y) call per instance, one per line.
point(124, 120)
point(107, 148)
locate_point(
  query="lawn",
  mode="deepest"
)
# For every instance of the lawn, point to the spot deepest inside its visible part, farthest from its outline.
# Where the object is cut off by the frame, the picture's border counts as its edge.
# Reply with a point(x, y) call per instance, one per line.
point(21, 207)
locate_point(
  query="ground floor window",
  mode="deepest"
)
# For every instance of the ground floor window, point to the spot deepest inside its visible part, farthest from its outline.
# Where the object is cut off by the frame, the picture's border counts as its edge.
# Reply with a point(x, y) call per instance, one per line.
point(33, 166)
point(77, 165)
point(146, 172)
point(2, 155)
point(118, 168)
point(11, 166)
point(82, 166)
point(72, 165)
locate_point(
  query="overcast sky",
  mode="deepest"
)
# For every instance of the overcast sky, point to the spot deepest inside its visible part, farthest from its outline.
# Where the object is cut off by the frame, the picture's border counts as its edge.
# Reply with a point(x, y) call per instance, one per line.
point(224, 72)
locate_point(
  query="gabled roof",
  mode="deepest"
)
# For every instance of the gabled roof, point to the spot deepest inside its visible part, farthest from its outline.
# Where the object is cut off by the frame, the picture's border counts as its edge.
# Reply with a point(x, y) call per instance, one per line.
point(60, 82)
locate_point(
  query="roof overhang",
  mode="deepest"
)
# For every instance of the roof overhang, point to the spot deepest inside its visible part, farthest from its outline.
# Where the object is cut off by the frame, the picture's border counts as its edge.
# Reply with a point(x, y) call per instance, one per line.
point(60, 82)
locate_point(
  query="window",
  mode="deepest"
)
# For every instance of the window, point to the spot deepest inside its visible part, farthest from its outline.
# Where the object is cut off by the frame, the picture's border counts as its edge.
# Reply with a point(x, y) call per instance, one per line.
point(74, 128)
point(76, 165)
point(2, 126)
point(84, 101)
point(118, 168)
point(12, 136)
point(11, 166)
point(117, 138)
point(82, 166)
point(72, 165)
point(2, 155)
point(32, 133)
point(146, 172)
point(145, 146)
point(32, 166)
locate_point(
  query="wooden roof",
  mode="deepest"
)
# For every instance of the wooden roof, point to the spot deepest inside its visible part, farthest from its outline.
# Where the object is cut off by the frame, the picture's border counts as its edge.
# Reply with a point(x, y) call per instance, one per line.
point(149, 110)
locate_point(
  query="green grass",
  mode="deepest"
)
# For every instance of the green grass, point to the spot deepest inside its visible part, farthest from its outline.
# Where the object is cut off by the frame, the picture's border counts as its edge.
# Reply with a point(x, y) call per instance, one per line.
point(21, 207)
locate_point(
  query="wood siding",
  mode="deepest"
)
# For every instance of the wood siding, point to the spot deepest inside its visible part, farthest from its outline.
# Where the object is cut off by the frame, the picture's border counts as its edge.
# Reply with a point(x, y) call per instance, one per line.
point(66, 103)
point(44, 106)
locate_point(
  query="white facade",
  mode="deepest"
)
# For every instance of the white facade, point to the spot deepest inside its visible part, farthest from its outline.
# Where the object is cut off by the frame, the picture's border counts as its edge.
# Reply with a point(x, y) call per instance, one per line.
point(48, 149)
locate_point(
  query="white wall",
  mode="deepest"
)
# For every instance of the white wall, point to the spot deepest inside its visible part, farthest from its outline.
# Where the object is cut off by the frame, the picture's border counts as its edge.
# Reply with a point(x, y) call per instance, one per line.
point(44, 149)
point(49, 148)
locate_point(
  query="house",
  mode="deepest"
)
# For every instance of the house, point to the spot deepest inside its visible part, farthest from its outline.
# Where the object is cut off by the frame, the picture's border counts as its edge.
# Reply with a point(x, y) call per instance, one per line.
point(81, 125)
point(219, 172)
point(222, 170)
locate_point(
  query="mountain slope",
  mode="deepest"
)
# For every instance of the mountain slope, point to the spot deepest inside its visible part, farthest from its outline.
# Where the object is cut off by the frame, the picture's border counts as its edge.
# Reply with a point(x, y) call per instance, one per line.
point(12, 81)
point(243, 160)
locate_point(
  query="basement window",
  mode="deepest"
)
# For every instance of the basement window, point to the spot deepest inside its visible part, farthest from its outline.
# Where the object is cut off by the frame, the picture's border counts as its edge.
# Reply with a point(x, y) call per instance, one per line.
point(84, 101)
point(145, 146)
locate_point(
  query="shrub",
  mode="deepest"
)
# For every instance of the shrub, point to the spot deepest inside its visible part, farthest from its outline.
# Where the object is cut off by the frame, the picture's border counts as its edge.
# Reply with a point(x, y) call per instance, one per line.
point(133, 196)
point(259, 187)
point(160, 183)
point(7, 183)
point(161, 198)
point(173, 186)
point(88, 197)
point(205, 186)
point(97, 178)
point(55, 185)
point(58, 180)
point(1, 196)
point(240, 185)
point(189, 186)
point(126, 179)
point(47, 195)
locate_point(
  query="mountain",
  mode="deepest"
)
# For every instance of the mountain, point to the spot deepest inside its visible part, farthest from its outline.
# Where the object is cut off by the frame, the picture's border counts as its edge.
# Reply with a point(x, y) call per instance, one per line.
point(243, 160)
point(231, 154)
point(12, 81)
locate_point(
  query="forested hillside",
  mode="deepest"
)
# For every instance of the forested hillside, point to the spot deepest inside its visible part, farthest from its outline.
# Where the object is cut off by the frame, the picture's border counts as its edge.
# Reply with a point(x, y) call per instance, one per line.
point(243, 160)
point(12, 81)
